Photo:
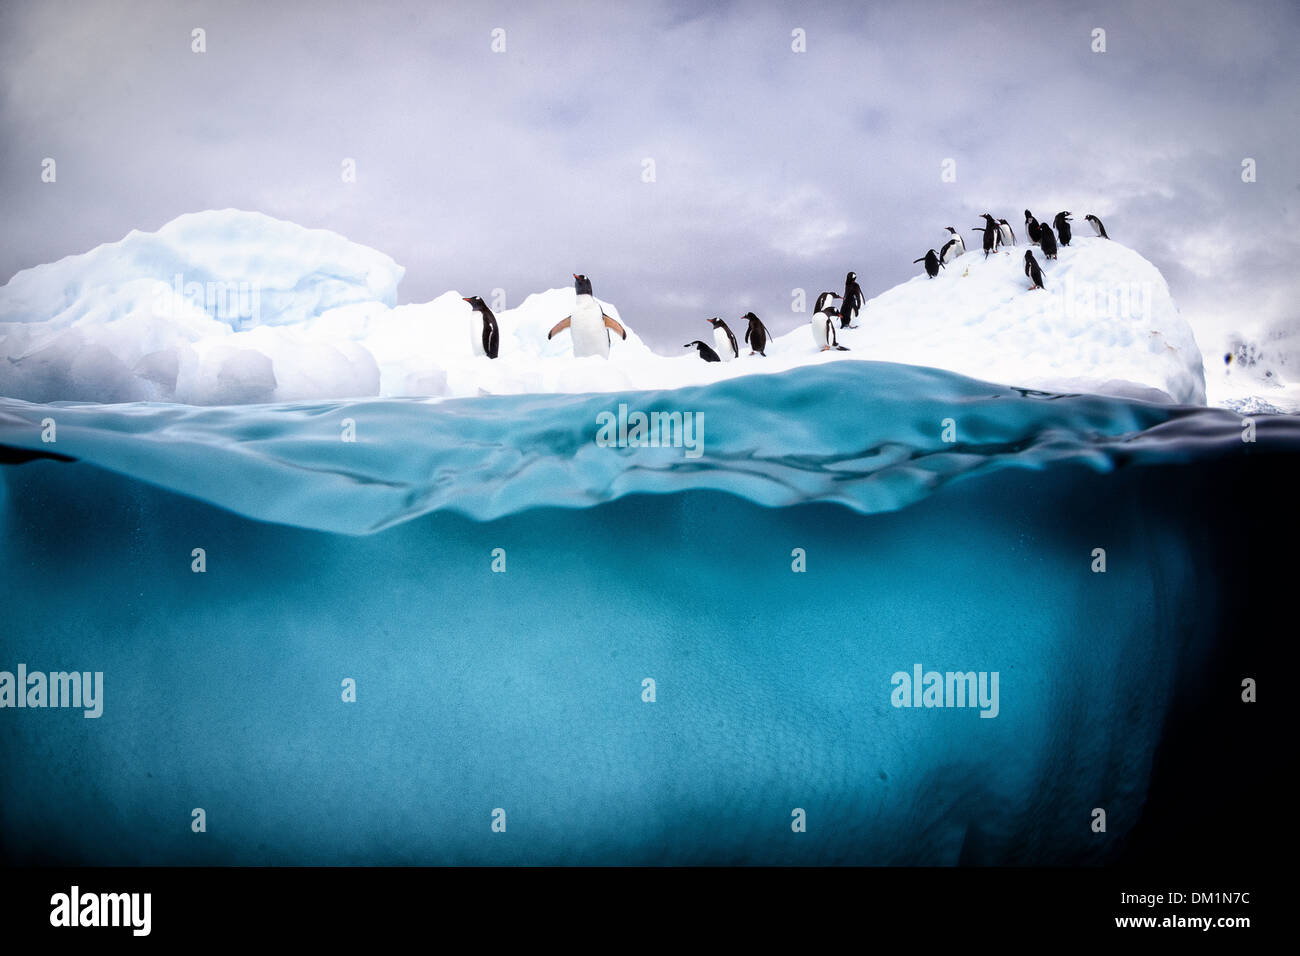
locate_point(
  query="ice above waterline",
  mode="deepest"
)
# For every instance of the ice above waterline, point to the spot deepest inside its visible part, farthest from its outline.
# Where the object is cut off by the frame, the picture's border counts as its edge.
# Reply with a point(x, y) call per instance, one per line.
point(232, 307)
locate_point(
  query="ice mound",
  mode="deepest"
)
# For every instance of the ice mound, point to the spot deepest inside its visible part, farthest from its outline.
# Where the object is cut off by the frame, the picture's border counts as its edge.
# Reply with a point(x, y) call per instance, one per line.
point(231, 307)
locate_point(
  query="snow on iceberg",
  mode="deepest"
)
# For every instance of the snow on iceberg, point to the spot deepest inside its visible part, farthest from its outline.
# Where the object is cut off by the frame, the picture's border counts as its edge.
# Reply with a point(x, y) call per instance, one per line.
point(231, 307)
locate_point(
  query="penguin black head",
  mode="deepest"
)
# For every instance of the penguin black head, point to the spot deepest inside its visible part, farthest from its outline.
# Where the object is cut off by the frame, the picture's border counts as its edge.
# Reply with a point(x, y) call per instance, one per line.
point(581, 284)
point(750, 317)
point(850, 277)
point(715, 322)
point(1029, 257)
point(476, 303)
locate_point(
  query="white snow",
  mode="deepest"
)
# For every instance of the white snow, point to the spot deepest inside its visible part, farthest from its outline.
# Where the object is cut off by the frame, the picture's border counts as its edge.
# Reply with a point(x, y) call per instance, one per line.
point(282, 313)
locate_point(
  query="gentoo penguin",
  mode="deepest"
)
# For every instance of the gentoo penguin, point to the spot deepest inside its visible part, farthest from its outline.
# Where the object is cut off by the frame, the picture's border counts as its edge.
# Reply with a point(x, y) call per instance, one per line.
point(991, 234)
point(823, 322)
point(1005, 231)
point(484, 336)
point(1031, 269)
point(588, 324)
point(1046, 240)
point(757, 334)
point(1062, 222)
point(1031, 227)
point(954, 247)
point(706, 353)
point(852, 301)
point(727, 348)
point(932, 263)
point(1097, 227)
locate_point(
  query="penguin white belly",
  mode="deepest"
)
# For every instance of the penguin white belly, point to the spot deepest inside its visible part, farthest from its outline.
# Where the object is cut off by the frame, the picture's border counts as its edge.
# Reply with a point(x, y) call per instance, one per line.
point(819, 327)
point(723, 345)
point(476, 335)
point(588, 328)
point(1006, 235)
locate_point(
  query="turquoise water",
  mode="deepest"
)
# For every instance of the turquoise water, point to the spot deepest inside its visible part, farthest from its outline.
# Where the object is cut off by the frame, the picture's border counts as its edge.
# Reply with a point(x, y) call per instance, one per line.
point(523, 690)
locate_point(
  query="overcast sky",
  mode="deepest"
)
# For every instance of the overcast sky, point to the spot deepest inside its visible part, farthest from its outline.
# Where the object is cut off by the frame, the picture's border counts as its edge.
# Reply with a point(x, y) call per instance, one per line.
point(773, 169)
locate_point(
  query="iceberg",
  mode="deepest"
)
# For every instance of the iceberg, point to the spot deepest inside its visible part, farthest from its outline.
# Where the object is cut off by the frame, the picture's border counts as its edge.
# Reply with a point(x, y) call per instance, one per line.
point(230, 307)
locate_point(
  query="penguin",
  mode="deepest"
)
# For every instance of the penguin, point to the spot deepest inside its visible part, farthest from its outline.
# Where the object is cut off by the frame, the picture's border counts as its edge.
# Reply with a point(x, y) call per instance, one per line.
point(484, 335)
point(1046, 240)
point(992, 237)
point(1097, 227)
point(823, 323)
point(1007, 234)
point(953, 248)
point(932, 263)
point(1031, 269)
point(756, 335)
point(852, 301)
point(1031, 227)
point(1062, 222)
point(725, 340)
point(588, 325)
point(706, 353)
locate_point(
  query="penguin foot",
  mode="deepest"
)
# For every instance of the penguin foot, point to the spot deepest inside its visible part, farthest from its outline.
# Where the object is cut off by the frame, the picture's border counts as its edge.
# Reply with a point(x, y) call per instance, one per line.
point(842, 348)
point(826, 348)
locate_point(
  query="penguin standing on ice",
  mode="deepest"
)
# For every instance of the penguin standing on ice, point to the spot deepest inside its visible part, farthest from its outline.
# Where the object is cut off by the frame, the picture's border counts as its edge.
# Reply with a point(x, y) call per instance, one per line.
point(588, 325)
point(954, 247)
point(725, 340)
point(1031, 269)
point(932, 263)
point(1031, 227)
point(1062, 222)
point(484, 336)
point(1005, 232)
point(823, 323)
point(706, 353)
point(756, 335)
point(851, 301)
point(1046, 241)
point(991, 234)
point(1097, 227)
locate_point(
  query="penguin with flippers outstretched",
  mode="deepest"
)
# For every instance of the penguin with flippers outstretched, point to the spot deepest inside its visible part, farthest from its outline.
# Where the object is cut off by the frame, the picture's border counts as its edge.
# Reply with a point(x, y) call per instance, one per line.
point(932, 263)
point(588, 326)
point(992, 235)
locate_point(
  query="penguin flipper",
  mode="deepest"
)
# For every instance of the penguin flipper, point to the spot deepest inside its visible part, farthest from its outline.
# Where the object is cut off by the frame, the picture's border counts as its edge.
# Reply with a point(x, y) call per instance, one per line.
point(560, 326)
point(612, 324)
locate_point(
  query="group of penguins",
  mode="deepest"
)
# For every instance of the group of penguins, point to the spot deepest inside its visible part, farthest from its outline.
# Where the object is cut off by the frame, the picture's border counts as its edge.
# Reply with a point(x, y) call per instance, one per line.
point(998, 233)
point(589, 327)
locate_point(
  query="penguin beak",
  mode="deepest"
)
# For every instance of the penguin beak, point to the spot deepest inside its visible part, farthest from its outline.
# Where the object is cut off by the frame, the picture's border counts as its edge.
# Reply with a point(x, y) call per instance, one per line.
point(466, 300)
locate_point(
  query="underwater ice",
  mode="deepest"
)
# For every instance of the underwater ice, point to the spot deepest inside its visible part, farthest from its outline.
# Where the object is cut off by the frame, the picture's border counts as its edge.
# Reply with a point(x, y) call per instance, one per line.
point(231, 307)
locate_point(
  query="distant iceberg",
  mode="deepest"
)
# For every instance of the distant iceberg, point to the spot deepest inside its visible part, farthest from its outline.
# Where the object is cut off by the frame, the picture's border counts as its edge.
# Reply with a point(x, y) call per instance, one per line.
point(229, 307)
